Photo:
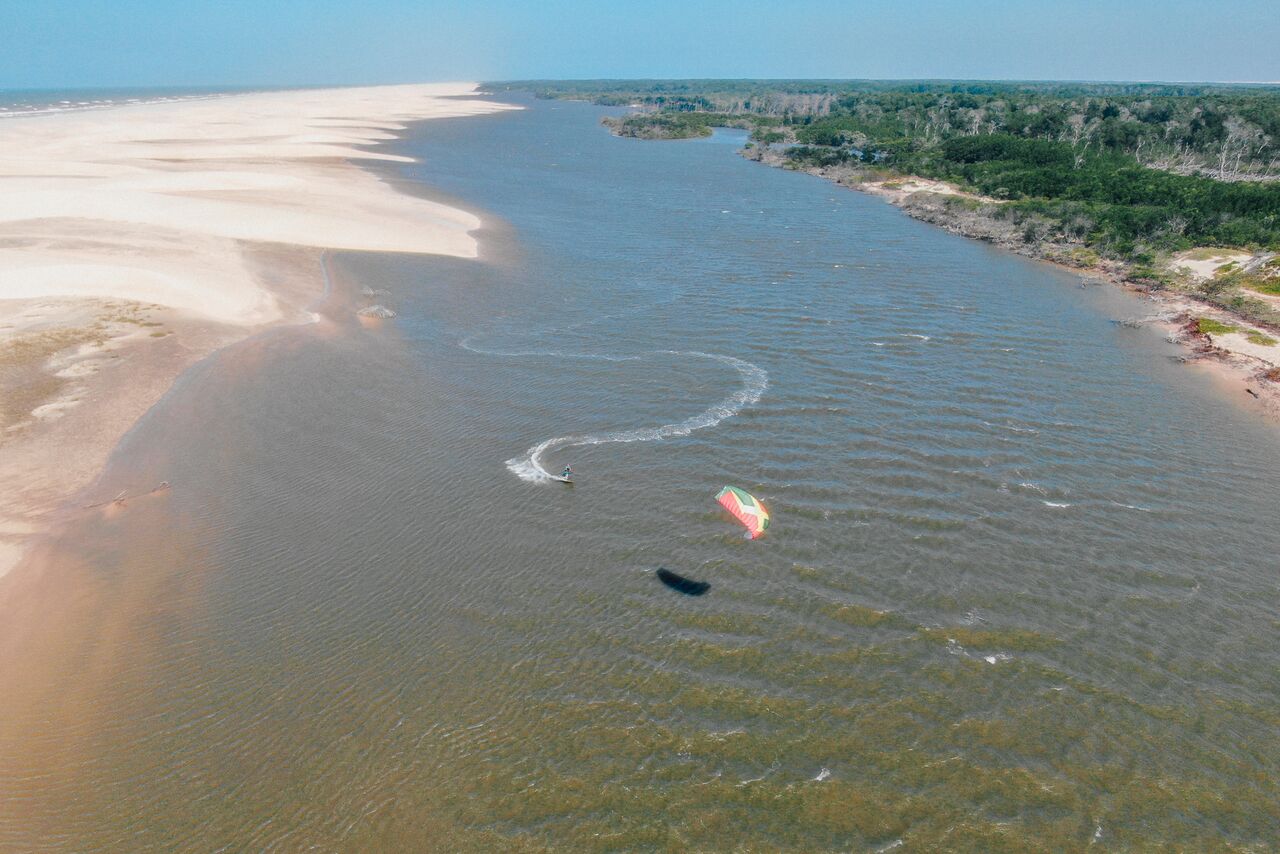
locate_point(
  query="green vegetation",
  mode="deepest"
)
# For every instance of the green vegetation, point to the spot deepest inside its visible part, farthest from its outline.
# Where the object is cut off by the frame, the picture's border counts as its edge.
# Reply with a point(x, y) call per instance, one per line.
point(1115, 175)
point(683, 125)
point(1209, 326)
point(679, 126)
point(1109, 200)
point(1252, 278)
point(1204, 253)
point(25, 383)
point(1270, 285)
point(1122, 170)
point(1256, 337)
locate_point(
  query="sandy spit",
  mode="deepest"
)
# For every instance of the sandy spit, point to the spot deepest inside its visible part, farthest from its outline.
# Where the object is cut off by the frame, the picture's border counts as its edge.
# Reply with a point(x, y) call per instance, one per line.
point(135, 240)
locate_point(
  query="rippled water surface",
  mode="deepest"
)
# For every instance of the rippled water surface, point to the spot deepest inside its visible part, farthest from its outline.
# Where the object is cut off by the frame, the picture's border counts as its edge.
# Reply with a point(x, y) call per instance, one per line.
point(1020, 589)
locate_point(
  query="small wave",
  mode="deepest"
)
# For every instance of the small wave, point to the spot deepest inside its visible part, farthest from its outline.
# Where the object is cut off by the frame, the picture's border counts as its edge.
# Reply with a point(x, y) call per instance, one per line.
point(673, 296)
point(916, 335)
point(1132, 507)
point(33, 111)
point(750, 780)
point(824, 774)
point(10, 111)
point(1054, 504)
point(997, 658)
point(1013, 428)
point(721, 736)
point(466, 344)
point(754, 382)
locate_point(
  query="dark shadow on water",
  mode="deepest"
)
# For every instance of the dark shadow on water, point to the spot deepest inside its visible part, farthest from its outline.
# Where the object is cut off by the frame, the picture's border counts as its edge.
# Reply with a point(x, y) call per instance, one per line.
point(679, 583)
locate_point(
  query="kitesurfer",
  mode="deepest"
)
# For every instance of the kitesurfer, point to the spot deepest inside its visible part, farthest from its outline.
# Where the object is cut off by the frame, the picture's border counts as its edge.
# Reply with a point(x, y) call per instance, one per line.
point(567, 473)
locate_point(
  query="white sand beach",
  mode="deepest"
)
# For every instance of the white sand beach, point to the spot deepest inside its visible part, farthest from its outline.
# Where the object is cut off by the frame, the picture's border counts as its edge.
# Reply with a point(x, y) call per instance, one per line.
point(137, 239)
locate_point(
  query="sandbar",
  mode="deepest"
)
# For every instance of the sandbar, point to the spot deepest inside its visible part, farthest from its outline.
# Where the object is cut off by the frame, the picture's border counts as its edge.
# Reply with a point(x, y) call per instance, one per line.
point(137, 239)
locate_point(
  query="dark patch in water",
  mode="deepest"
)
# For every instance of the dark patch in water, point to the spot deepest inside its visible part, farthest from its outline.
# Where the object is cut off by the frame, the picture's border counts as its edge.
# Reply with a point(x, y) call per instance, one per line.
point(687, 586)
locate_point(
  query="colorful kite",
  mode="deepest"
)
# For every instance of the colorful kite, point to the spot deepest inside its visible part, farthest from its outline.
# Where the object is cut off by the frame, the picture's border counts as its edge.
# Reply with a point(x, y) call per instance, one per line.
point(746, 508)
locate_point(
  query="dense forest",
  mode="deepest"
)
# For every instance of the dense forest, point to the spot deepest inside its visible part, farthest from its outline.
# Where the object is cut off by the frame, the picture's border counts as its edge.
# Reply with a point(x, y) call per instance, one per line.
point(1228, 132)
point(1080, 172)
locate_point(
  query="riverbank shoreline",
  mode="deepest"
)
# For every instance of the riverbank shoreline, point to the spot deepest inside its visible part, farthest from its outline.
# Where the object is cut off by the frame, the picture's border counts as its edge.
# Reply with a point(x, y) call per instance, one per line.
point(1245, 369)
point(136, 241)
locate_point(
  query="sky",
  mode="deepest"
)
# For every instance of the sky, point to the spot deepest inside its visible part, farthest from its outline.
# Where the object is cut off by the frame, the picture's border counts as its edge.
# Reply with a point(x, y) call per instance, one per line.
point(118, 43)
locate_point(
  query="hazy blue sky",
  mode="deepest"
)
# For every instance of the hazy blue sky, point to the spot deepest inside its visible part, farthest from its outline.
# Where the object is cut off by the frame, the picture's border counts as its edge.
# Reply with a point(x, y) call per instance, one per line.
point(53, 43)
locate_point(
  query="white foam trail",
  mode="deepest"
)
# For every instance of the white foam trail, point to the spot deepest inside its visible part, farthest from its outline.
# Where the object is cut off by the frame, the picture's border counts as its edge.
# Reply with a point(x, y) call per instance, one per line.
point(1132, 507)
point(1054, 504)
point(754, 382)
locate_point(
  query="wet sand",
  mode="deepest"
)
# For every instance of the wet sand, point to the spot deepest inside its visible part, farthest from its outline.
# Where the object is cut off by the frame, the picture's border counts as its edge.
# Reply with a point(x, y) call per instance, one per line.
point(122, 566)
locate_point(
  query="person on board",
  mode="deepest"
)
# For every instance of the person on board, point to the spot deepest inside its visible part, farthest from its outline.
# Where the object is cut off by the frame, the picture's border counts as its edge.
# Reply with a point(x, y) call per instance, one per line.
point(567, 473)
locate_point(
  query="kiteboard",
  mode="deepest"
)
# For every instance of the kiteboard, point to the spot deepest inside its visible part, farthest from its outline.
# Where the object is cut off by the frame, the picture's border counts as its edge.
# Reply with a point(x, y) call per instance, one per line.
point(560, 478)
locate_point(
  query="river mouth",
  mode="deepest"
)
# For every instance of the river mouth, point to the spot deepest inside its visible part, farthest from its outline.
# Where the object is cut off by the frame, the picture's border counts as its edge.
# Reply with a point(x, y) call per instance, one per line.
point(1011, 594)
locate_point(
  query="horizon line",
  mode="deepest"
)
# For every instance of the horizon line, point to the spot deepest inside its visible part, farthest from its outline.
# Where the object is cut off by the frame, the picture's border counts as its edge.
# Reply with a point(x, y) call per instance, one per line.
point(516, 80)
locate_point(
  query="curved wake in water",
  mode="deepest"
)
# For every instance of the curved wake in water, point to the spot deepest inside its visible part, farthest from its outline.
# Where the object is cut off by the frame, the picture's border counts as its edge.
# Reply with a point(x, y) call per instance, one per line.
point(754, 382)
